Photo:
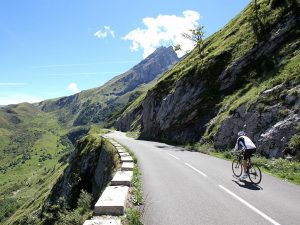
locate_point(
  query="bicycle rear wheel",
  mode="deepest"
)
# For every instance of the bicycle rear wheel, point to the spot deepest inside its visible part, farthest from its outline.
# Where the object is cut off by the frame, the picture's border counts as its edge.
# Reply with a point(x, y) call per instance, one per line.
point(254, 174)
point(237, 168)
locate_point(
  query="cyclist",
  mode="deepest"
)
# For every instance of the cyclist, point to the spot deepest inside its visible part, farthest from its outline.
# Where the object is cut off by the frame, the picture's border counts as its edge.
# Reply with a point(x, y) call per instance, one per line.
point(246, 144)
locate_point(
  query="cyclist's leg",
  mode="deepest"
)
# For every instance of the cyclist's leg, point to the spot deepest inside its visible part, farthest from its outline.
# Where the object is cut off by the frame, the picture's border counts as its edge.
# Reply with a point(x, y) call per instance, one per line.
point(251, 152)
point(246, 158)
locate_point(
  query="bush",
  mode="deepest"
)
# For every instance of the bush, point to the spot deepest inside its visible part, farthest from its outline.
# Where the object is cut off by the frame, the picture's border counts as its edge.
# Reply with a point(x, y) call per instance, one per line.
point(85, 201)
point(9, 206)
point(295, 144)
point(295, 141)
point(133, 217)
point(71, 218)
point(28, 219)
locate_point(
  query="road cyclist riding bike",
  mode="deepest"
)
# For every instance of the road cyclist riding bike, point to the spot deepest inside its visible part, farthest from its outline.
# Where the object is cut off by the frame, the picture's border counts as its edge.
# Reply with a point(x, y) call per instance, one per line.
point(246, 145)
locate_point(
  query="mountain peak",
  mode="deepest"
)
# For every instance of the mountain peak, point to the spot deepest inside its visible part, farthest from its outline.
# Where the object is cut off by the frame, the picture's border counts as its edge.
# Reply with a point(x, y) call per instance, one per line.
point(97, 105)
point(163, 50)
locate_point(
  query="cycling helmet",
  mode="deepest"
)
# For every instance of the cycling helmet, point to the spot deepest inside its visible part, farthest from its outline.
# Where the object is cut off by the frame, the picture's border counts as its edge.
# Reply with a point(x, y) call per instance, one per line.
point(241, 133)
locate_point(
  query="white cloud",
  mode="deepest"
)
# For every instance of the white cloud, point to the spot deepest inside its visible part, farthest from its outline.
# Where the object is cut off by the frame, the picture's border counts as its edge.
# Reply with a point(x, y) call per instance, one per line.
point(6, 99)
point(163, 30)
point(105, 32)
point(13, 84)
point(73, 87)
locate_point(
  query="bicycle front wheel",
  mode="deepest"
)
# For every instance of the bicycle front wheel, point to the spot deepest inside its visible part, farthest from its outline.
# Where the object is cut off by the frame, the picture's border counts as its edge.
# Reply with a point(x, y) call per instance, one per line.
point(255, 174)
point(237, 168)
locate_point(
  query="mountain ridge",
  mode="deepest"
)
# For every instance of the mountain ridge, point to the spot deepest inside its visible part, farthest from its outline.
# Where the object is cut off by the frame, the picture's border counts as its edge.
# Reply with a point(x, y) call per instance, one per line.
point(97, 104)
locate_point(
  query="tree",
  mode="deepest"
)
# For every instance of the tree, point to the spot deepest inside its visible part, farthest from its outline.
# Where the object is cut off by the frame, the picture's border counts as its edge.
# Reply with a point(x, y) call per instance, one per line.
point(196, 36)
point(255, 7)
point(177, 47)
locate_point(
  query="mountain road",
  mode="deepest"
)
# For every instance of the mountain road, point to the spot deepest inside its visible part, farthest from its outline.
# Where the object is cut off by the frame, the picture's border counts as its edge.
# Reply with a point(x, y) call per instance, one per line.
point(189, 188)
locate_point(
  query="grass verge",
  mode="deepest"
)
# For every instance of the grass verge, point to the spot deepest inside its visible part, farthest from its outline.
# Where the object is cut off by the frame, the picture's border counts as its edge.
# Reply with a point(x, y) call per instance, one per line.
point(133, 215)
point(133, 134)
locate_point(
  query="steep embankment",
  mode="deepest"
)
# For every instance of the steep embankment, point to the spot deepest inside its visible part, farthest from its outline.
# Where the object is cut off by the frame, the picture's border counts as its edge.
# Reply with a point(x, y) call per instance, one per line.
point(98, 104)
point(214, 97)
point(68, 199)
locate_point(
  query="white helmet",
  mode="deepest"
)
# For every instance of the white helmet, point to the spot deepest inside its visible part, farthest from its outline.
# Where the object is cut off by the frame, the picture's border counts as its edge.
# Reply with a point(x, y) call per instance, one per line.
point(241, 133)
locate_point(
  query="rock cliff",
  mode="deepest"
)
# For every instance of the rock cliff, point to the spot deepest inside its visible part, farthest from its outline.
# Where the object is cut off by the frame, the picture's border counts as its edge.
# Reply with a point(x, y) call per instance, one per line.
point(270, 125)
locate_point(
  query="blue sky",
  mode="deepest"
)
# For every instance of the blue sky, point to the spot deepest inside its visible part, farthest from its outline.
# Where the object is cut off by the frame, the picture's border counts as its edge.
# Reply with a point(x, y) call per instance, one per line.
point(54, 48)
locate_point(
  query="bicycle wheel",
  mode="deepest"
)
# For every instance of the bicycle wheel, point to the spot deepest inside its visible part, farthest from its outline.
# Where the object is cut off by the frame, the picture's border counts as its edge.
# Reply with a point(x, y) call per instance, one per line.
point(254, 174)
point(237, 168)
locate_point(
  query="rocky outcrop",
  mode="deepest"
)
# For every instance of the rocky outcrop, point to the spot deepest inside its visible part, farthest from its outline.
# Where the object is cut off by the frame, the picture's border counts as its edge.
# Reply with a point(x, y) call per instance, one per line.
point(130, 120)
point(270, 126)
point(162, 115)
point(275, 139)
point(90, 168)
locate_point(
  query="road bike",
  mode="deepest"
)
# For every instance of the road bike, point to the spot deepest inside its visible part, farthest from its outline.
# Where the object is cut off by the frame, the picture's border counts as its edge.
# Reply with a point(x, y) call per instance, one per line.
point(254, 172)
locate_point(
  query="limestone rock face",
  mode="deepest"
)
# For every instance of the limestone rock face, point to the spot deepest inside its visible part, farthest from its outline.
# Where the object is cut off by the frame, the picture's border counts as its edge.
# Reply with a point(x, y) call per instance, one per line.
point(274, 140)
point(161, 114)
point(271, 127)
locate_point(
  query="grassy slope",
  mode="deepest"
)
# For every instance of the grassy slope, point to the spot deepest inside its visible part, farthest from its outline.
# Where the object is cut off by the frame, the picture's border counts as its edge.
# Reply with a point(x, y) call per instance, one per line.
point(249, 95)
point(47, 179)
point(93, 106)
point(30, 152)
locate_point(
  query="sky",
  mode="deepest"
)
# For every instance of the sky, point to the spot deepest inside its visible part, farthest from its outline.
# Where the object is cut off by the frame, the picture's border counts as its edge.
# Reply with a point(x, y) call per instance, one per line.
point(54, 48)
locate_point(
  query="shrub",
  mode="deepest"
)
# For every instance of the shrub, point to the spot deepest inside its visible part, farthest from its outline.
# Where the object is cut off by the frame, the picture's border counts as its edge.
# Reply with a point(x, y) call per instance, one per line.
point(295, 142)
point(133, 217)
point(85, 201)
point(71, 218)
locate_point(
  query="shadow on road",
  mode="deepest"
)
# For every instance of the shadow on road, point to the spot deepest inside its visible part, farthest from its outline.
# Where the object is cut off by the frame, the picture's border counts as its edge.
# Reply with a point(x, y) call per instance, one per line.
point(248, 185)
point(174, 148)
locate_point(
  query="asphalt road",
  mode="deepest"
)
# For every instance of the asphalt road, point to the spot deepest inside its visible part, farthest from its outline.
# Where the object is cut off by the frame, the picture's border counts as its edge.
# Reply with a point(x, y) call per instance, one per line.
point(190, 188)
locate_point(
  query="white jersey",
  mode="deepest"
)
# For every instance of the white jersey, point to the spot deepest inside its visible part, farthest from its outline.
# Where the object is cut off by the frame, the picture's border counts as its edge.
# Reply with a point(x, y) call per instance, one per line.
point(244, 142)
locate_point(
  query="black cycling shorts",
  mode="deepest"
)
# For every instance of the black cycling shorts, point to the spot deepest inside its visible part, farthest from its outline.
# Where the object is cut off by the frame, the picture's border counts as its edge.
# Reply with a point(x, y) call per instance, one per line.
point(248, 153)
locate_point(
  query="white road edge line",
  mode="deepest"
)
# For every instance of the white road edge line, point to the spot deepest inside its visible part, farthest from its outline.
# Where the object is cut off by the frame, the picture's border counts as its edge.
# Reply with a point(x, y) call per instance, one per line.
point(173, 156)
point(250, 206)
point(198, 171)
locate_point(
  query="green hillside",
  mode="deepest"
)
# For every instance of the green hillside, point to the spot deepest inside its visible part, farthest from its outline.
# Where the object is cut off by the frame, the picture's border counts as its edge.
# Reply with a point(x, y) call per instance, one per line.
point(62, 194)
point(33, 148)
